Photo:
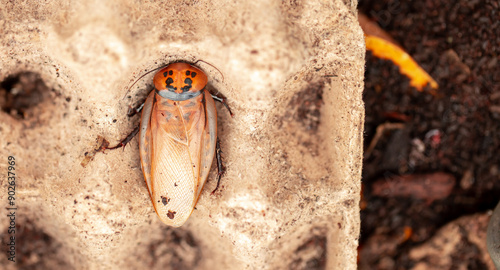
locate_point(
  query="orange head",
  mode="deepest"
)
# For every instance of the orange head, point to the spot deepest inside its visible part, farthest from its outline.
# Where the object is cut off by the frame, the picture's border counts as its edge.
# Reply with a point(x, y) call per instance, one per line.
point(180, 81)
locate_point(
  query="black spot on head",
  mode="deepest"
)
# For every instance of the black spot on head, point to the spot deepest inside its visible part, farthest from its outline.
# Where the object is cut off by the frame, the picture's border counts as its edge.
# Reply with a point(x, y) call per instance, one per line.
point(170, 72)
point(169, 81)
point(165, 74)
point(188, 86)
point(193, 74)
point(188, 72)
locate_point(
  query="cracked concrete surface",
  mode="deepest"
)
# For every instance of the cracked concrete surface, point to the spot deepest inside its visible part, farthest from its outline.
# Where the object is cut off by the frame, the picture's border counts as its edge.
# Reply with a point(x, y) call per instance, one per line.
point(292, 72)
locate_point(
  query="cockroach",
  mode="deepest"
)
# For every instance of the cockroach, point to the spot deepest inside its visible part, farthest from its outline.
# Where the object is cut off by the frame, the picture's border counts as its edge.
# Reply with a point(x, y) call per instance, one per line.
point(178, 140)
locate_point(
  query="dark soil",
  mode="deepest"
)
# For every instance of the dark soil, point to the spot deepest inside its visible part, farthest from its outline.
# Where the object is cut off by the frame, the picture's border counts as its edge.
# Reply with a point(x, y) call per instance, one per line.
point(455, 130)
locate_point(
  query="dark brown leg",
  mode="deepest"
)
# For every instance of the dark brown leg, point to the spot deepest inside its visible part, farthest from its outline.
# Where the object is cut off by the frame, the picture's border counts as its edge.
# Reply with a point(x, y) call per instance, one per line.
point(126, 140)
point(223, 101)
point(131, 112)
point(220, 167)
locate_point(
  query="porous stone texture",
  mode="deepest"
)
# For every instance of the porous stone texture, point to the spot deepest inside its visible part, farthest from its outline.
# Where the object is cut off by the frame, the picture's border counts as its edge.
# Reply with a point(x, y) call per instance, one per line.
point(292, 72)
point(460, 244)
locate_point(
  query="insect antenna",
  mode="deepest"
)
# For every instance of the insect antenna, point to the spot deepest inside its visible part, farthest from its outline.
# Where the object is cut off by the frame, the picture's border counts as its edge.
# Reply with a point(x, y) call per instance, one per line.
point(142, 76)
point(211, 66)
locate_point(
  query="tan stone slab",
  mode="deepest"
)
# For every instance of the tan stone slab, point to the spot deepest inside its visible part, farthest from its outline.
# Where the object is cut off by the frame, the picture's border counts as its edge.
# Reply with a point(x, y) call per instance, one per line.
point(293, 76)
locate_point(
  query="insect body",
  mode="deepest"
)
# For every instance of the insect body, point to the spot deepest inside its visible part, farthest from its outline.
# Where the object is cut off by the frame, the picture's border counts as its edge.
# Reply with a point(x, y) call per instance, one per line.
point(177, 140)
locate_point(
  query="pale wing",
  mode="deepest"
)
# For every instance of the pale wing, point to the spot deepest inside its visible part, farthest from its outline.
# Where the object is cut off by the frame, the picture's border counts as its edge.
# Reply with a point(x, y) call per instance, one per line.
point(177, 135)
point(208, 140)
point(145, 140)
